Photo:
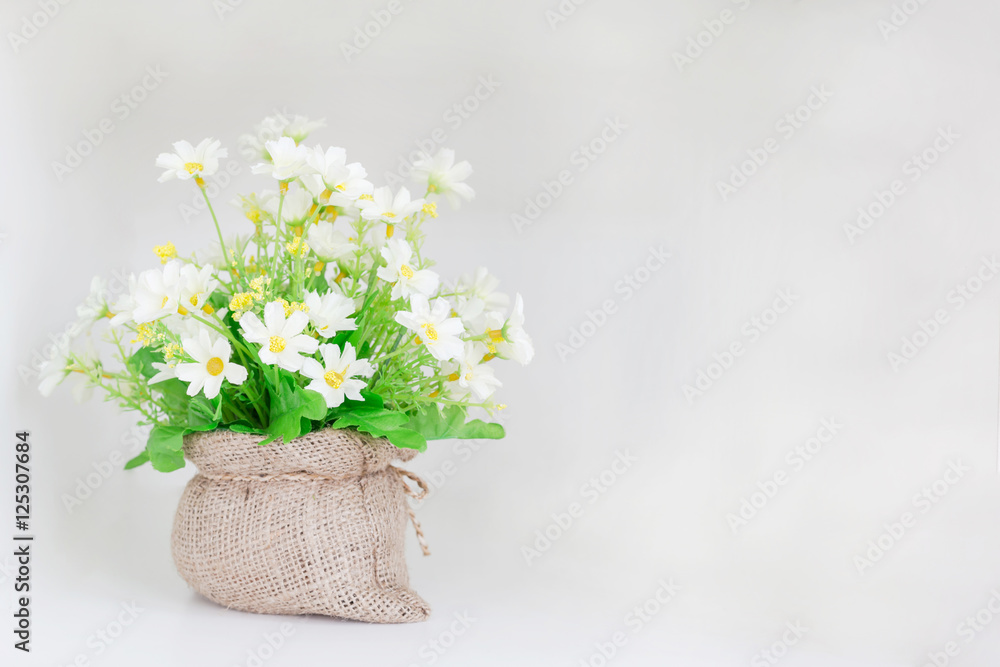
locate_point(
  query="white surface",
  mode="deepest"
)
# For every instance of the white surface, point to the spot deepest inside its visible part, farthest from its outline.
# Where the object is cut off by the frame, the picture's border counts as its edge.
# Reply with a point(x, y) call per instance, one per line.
point(666, 516)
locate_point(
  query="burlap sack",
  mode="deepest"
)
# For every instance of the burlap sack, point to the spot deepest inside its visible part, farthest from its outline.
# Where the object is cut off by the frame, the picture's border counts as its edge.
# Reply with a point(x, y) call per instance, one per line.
point(314, 526)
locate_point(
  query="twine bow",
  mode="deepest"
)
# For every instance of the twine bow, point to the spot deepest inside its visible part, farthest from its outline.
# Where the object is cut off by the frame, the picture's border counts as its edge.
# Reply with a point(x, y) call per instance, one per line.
point(402, 475)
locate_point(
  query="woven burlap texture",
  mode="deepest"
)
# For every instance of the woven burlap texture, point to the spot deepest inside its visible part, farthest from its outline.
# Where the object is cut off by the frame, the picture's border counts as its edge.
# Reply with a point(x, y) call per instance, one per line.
point(313, 526)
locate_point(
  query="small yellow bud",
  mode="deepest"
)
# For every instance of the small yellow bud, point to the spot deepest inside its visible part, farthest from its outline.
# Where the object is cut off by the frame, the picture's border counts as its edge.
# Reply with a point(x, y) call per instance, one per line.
point(165, 252)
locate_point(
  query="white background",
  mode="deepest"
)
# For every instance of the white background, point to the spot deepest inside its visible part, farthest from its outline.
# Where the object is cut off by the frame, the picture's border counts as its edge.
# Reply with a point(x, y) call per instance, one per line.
point(623, 390)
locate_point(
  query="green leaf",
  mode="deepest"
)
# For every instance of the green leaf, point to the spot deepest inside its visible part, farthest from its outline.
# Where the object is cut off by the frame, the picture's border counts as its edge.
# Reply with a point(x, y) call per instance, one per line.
point(244, 427)
point(142, 361)
point(166, 461)
point(450, 423)
point(290, 406)
point(165, 447)
point(407, 439)
point(143, 457)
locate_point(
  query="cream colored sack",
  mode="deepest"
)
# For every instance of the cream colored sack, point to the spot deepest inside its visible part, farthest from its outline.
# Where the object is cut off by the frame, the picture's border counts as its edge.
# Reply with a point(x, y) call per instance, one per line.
point(314, 526)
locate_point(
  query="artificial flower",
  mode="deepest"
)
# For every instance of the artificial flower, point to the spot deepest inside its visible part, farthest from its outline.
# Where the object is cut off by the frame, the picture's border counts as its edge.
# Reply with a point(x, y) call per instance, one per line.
point(288, 160)
point(330, 313)
point(196, 286)
point(444, 177)
point(157, 293)
point(189, 161)
point(329, 243)
point(433, 326)
point(469, 374)
point(405, 279)
point(335, 377)
point(508, 337)
point(388, 209)
point(281, 339)
point(210, 367)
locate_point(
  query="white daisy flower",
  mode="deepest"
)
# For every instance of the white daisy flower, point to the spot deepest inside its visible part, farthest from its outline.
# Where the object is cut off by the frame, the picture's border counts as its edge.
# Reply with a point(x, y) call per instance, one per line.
point(166, 372)
point(121, 311)
point(157, 293)
point(282, 341)
point(195, 288)
point(55, 369)
point(483, 285)
point(288, 160)
point(189, 161)
point(341, 183)
point(386, 208)
point(275, 127)
point(469, 375)
point(405, 280)
point(434, 328)
point(444, 177)
point(294, 208)
point(508, 339)
point(211, 365)
point(329, 243)
point(300, 127)
point(334, 378)
point(330, 313)
point(95, 306)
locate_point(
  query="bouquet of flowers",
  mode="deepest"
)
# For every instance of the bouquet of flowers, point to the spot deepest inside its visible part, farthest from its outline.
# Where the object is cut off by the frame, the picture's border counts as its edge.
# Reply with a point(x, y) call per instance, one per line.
point(324, 313)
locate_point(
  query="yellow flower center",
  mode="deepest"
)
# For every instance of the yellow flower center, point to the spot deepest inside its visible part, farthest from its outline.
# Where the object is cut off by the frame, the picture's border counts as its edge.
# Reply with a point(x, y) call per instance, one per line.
point(406, 271)
point(207, 309)
point(453, 377)
point(389, 231)
point(496, 335)
point(181, 310)
point(429, 331)
point(389, 214)
point(194, 300)
point(214, 366)
point(193, 167)
point(163, 304)
point(165, 252)
point(334, 379)
point(430, 208)
point(277, 344)
point(325, 195)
